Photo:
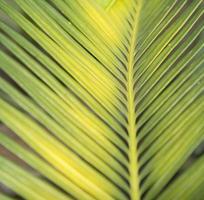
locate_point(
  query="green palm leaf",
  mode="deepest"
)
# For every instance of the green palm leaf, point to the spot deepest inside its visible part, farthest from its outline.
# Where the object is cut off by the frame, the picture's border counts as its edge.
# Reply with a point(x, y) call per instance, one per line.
point(106, 97)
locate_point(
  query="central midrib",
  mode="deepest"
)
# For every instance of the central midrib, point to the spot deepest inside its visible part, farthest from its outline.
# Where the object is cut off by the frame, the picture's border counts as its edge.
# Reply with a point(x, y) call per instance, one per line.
point(133, 154)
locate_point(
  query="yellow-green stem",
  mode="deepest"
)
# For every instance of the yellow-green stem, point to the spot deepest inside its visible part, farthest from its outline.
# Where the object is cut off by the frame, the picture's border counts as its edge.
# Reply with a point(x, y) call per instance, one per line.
point(133, 155)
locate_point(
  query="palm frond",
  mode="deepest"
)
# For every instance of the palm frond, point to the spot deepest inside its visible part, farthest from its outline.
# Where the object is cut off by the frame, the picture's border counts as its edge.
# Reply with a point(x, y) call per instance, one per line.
point(106, 96)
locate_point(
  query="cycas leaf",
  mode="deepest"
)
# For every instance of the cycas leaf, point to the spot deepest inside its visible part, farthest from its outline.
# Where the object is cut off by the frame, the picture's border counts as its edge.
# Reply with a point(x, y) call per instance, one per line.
point(107, 98)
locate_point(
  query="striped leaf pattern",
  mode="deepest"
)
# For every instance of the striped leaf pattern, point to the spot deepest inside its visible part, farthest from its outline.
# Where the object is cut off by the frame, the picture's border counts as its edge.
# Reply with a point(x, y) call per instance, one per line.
point(106, 98)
